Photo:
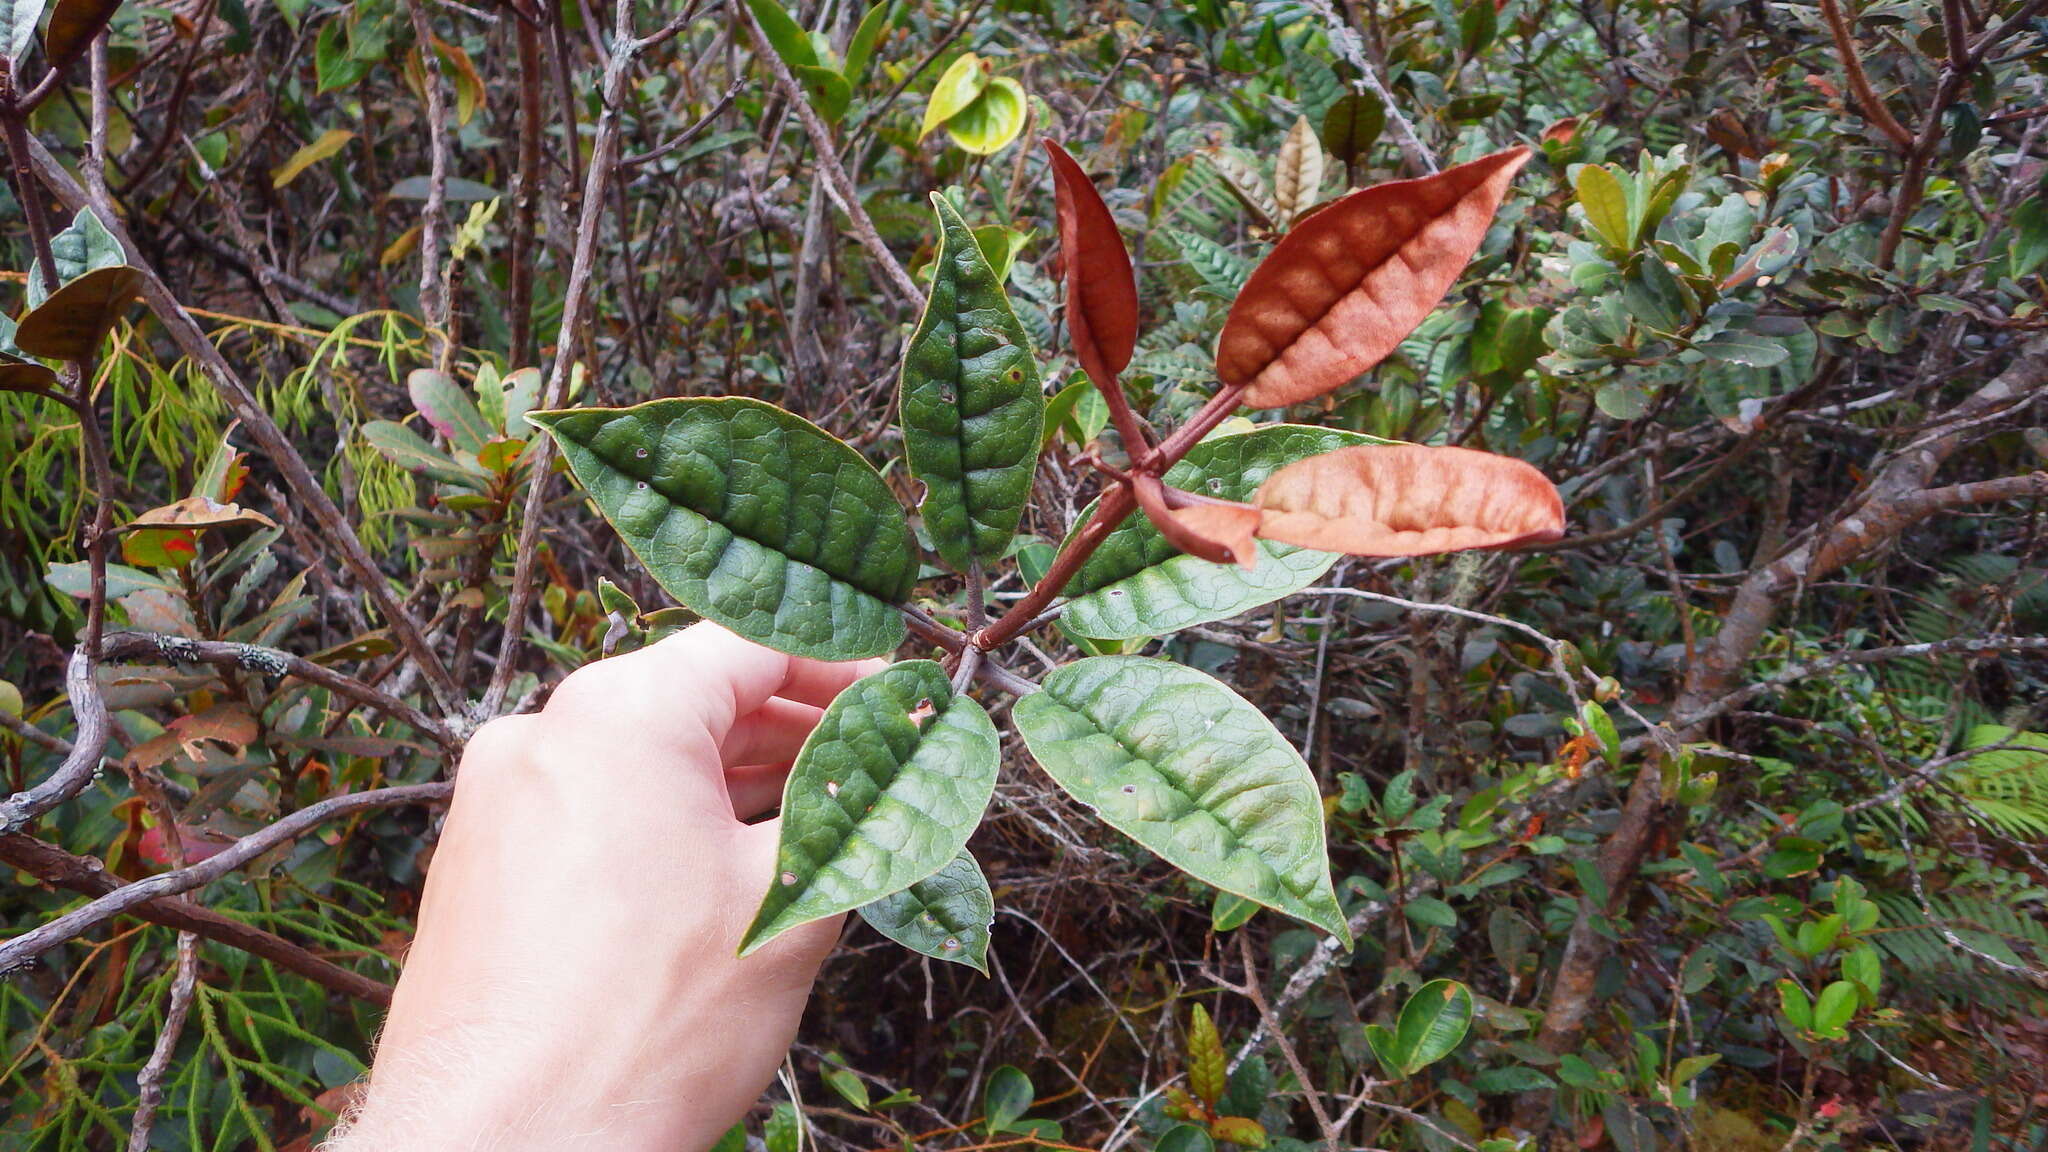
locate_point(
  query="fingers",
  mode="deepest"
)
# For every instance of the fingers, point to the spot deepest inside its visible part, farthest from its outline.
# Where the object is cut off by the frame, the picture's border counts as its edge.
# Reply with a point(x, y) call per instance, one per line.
point(755, 788)
point(693, 686)
point(770, 734)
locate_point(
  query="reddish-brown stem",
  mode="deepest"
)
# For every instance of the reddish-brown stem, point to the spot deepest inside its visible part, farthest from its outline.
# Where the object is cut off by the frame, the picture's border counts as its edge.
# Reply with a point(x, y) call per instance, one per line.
point(1859, 83)
point(1116, 504)
point(14, 122)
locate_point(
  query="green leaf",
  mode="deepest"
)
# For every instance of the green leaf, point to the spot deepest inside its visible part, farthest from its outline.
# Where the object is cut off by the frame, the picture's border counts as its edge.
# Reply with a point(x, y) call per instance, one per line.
point(1230, 911)
point(849, 1086)
point(830, 93)
point(1432, 1025)
point(1745, 348)
point(1430, 911)
point(1219, 267)
point(1513, 1079)
point(883, 794)
point(751, 517)
point(1797, 1008)
point(1186, 767)
point(18, 20)
point(783, 1131)
point(1006, 1099)
point(1185, 1138)
point(995, 118)
point(734, 1140)
point(85, 246)
point(861, 48)
point(971, 403)
point(1352, 125)
point(2029, 246)
point(784, 34)
point(410, 451)
point(449, 409)
point(959, 85)
point(946, 915)
point(1606, 205)
point(75, 579)
point(1833, 1009)
point(1138, 584)
point(1207, 1075)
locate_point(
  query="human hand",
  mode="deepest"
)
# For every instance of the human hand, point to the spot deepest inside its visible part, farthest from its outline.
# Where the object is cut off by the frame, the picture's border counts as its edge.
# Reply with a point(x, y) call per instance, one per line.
point(573, 982)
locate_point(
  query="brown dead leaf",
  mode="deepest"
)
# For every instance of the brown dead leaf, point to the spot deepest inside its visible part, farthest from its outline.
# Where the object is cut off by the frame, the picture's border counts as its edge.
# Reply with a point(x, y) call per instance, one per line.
point(1343, 289)
point(72, 322)
point(1408, 500)
point(199, 512)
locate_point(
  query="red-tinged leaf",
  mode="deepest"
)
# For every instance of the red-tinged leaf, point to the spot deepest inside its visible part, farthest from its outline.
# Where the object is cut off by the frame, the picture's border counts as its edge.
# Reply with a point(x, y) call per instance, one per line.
point(1219, 531)
point(159, 548)
point(1102, 292)
point(1408, 500)
point(199, 844)
point(1348, 284)
point(1561, 131)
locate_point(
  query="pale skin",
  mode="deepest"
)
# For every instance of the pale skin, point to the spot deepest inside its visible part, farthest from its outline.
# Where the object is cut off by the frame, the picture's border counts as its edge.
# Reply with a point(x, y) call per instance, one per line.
point(574, 981)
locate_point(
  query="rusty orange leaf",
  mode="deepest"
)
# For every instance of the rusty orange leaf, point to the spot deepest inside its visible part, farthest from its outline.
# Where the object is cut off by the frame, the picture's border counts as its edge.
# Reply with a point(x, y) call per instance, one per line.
point(1102, 292)
point(1408, 500)
point(1343, 289)
point(199, 512)
point(1219, 531)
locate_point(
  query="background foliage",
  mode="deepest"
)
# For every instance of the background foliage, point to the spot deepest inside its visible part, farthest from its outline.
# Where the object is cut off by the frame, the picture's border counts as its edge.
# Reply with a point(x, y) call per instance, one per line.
point(1766, 306)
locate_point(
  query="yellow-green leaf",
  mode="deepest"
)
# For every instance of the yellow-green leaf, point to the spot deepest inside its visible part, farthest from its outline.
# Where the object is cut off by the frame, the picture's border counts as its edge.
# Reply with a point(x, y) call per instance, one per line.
point(993, 121)
point(960, 85)
point(329, 143)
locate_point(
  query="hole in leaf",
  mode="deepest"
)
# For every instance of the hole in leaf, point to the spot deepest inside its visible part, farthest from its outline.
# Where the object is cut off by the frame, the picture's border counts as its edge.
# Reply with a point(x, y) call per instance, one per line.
point(950, 944)
point(788, 878)
point(923, 712)
point(831, 787)
point(640, 453)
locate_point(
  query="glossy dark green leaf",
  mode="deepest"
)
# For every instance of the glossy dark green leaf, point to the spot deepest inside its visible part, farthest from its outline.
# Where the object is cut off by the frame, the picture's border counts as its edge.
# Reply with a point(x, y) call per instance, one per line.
point(751, 517)
point(971, 403)
point(946, 915)
point(1432, 1025)
point(1186, 767)
point(1137, 584)
point(884, 794)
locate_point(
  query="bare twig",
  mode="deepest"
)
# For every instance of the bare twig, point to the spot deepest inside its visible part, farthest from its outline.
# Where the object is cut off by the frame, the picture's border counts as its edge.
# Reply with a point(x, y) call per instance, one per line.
point(149, 1083)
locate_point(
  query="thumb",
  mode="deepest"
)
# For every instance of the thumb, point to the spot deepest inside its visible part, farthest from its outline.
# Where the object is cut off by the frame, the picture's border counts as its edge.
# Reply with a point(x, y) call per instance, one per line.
point(791, 959)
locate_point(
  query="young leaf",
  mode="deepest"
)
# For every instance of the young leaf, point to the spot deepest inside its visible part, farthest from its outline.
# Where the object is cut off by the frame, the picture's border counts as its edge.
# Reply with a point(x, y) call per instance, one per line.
point(1207, 1077)
point(1408, 500)
point(752, 517)
point(448, 408)
point(70, 324)
point(971, 404)
point(1219, 531)
point(1432, 1025)
point(946, 915)
point(1606, 206)
point(1102, 292)
point(1833, 1009)
point(329, 143)
point(1242, 1131)
point(861, 48)
point(1186, 767)
point(1138, 584)
point(959, 85)
point(1341, 291)
point(994, 119)
point(1007, 1098)
point(73, 24)
point(883, 794)
point(1298, 173)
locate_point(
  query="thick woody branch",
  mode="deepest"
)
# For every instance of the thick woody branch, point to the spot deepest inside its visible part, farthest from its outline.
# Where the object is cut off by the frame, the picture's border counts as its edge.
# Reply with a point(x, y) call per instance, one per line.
point(36, 941)
point(86, 875)
point(272, 662)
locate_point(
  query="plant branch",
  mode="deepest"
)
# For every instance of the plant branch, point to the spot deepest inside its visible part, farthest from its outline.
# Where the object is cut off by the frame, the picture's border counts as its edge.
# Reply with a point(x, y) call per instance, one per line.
point(86, 875)
point(838, 185)
point(272, 662)
point(40, 939)
point(1859, 83)
point(149, 1083)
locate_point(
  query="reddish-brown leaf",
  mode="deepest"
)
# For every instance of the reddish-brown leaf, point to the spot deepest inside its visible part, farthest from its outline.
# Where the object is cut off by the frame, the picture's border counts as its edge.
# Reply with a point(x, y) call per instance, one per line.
point(1102, 292)
point(200, 512)
point(1408, 500)
point(73, 24)
point(1343, 289)
point(1219, 531)
point(72, 322)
